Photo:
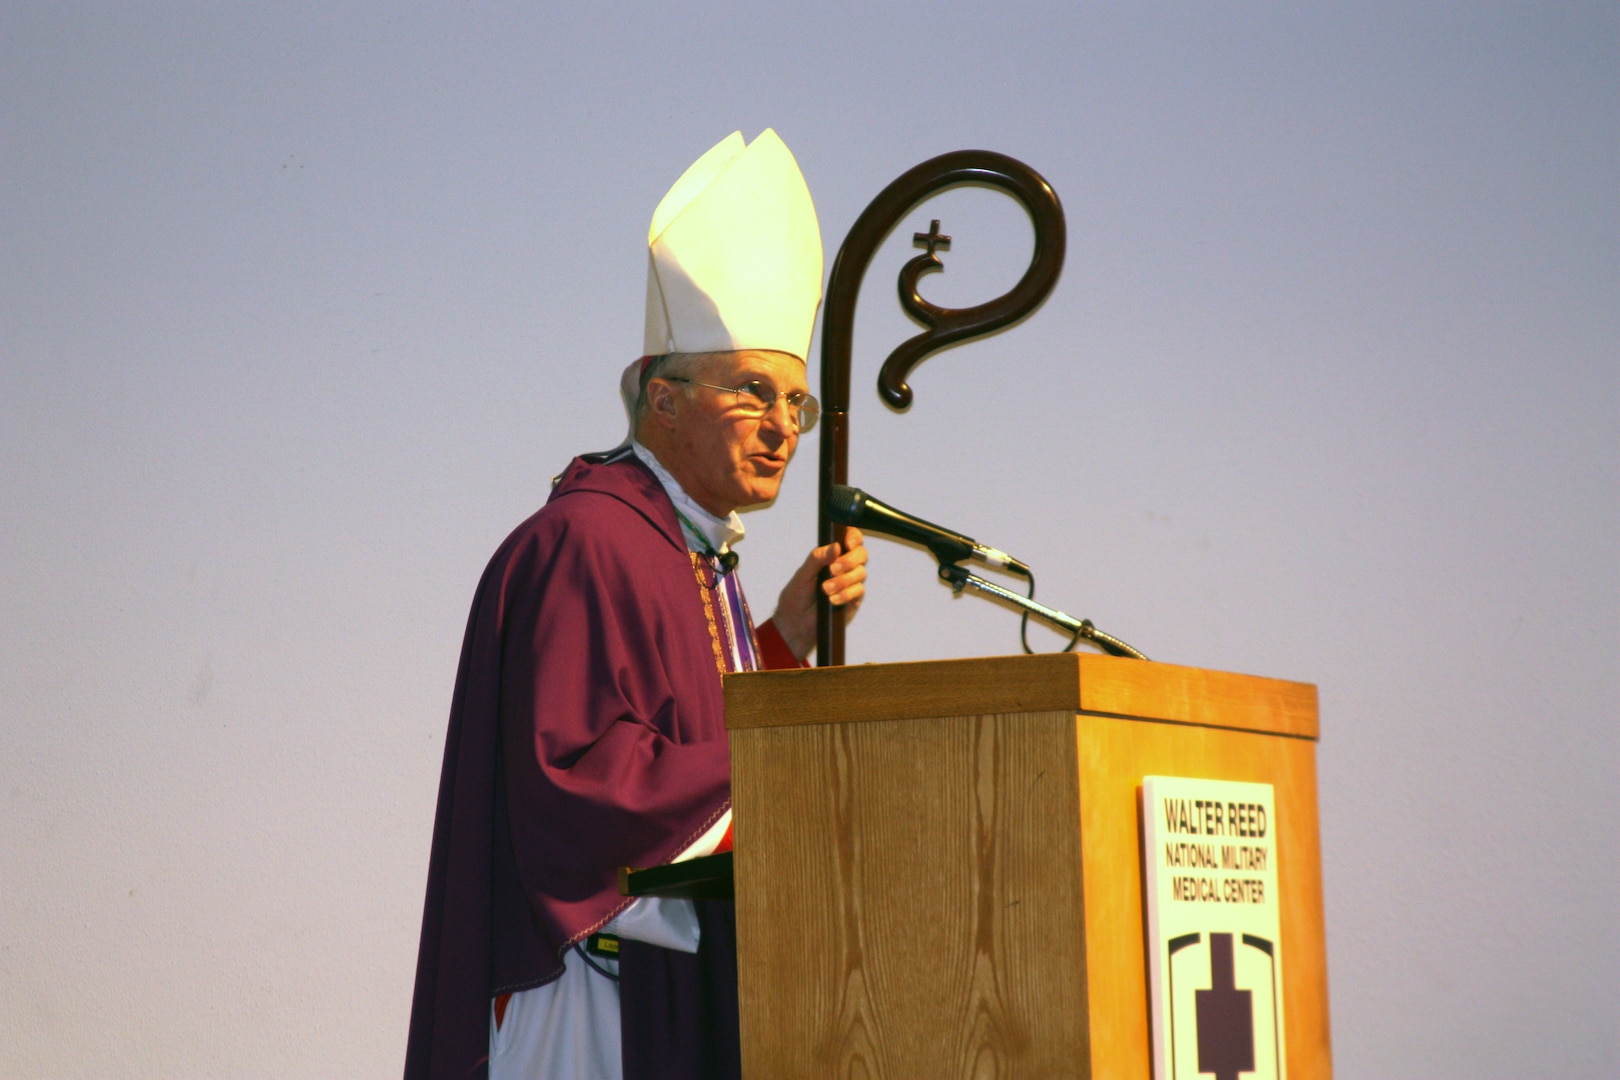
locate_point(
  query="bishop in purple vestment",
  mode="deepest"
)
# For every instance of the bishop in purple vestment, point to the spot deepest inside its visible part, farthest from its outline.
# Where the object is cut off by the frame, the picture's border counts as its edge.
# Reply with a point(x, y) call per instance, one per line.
point(586, 730)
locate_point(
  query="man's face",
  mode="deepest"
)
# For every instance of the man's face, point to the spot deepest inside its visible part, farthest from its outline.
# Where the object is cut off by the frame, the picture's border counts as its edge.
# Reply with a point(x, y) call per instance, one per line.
point(726, 458)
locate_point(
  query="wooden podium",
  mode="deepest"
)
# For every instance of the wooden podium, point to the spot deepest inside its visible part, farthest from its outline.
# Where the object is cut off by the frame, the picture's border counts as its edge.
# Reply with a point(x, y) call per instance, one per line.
point(938, 871)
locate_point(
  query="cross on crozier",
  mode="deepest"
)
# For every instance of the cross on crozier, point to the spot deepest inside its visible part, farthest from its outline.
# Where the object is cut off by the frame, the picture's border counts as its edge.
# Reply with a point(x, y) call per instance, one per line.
point(931, 238)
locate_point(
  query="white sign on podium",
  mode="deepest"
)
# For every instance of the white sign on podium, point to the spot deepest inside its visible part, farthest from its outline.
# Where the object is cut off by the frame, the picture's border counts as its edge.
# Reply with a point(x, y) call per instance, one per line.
point(1215, 955)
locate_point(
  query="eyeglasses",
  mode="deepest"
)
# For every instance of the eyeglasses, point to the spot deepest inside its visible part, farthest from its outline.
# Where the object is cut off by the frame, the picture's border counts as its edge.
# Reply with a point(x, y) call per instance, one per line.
point(757, 398)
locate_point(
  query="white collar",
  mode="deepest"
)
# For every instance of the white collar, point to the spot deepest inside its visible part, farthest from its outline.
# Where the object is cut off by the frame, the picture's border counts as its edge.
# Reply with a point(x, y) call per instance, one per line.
point(719, 533)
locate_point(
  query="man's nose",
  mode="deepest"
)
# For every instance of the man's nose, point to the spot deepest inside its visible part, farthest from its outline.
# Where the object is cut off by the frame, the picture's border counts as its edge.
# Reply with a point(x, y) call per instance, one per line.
point(782, 416)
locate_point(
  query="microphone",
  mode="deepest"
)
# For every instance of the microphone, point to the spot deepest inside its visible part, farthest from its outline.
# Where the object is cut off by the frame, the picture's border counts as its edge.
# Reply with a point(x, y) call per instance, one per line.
point(852, 506)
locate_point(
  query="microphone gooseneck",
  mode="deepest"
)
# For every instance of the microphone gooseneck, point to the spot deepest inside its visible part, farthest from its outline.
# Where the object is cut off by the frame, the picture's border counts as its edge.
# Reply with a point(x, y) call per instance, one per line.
point(852, 506)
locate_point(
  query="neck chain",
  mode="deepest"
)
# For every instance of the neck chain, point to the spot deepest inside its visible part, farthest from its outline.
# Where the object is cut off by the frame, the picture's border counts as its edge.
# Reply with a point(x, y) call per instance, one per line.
point(725, 563)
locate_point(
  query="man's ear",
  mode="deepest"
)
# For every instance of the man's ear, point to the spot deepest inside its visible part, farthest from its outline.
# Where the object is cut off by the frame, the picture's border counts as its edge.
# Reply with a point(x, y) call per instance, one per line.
point(661, 402)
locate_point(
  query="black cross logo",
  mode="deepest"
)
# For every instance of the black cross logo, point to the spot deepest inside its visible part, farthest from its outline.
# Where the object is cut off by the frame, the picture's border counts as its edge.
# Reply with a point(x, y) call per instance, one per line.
point(931, 238)
point(1225, 1017)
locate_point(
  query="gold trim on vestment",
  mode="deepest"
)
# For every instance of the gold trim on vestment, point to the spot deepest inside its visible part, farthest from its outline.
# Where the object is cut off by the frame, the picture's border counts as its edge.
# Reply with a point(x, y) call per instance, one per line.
point(705, 590)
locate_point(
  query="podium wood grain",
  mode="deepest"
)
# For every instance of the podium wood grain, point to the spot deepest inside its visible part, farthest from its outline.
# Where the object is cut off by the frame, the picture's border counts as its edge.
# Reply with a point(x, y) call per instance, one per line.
point(921, 866)
point(938, 868)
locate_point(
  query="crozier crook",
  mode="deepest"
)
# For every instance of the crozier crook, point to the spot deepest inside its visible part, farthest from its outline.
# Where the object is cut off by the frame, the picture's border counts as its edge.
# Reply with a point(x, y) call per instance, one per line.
point(944, 326)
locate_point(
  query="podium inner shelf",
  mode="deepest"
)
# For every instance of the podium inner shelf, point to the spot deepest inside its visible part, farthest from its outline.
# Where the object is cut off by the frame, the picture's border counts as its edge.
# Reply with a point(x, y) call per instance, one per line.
point(706, 878)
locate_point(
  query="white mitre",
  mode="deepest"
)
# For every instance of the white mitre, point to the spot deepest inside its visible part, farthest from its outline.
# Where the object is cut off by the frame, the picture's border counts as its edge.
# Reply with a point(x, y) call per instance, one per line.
point(734, 258)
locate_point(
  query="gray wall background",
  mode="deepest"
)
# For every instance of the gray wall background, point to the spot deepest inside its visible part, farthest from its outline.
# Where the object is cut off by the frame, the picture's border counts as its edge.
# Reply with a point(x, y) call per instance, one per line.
point(302, 305)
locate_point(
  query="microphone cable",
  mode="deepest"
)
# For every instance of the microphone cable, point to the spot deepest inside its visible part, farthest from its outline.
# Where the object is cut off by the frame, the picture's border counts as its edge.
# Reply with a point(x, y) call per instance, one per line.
point(1023, 625)
point(1088, 631)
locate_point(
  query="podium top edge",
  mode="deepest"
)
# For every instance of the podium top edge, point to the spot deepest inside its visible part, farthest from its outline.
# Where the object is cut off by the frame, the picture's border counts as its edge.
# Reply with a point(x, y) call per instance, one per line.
point(1051, 682)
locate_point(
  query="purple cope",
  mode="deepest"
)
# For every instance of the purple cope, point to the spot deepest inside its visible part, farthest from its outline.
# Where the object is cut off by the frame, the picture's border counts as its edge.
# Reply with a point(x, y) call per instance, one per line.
point(586, 733)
